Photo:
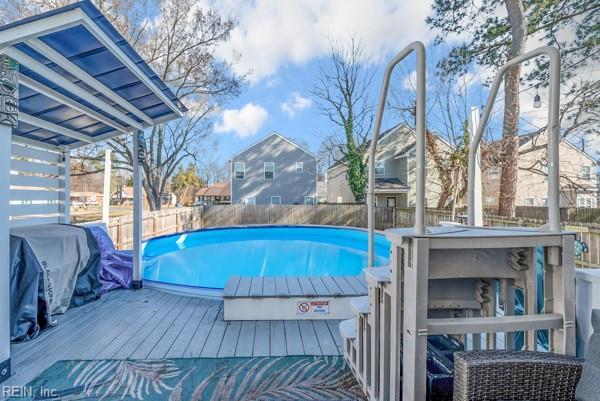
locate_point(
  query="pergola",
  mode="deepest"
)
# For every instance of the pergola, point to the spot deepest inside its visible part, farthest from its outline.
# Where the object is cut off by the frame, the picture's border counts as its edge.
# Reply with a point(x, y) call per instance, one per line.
point(67, 79)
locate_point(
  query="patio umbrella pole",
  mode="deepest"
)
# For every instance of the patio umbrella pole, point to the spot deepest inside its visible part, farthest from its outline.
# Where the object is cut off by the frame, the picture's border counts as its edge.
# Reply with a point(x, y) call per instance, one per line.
point(419, 48)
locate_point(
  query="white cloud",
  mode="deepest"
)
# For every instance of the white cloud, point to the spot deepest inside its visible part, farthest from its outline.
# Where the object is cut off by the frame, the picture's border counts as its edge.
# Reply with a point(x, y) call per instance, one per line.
point(242, 122)
point(295, 103)
point(274, 32)
point(410, 81)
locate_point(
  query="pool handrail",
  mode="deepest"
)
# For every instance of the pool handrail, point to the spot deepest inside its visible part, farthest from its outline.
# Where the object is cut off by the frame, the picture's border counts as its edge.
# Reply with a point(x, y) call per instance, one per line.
point(552, 130)
point(419, 226)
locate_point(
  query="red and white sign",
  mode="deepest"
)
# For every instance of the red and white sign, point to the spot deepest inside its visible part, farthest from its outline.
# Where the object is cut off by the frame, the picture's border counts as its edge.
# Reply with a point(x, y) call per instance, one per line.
point(312, 308)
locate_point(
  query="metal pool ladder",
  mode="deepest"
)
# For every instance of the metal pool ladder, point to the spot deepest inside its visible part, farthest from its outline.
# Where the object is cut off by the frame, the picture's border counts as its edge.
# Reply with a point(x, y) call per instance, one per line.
point(419, 227)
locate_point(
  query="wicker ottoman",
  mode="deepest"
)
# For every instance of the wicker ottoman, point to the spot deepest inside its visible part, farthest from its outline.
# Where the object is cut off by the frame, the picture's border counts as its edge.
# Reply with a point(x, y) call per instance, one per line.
point(515, 375)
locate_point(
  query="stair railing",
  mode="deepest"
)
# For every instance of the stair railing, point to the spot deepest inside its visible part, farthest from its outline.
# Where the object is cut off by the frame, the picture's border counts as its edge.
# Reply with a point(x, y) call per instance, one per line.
point(552, 130)
point(419, 226)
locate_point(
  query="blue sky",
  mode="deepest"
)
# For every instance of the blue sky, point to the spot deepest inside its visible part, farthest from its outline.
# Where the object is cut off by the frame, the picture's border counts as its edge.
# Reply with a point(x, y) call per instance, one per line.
point(282, 43)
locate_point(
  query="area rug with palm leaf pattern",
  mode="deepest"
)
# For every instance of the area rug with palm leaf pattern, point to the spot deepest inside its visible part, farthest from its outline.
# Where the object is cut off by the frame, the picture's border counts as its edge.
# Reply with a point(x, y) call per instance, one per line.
point(293, 378)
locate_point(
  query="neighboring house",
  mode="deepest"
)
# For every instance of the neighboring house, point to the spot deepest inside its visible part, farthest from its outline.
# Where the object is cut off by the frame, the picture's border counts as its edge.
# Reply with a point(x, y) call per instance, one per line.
point(85, 198)
point(124, 197)
point(578, 182)
point(322, 190)
point(218, 193)
point(394, 172)
point(274, 170)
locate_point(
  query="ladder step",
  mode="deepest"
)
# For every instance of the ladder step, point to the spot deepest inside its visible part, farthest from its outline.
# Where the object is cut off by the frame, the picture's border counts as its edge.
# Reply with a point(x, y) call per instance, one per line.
point(348, 329)
point(494, 324)
point(360, 305)
point(378, 274)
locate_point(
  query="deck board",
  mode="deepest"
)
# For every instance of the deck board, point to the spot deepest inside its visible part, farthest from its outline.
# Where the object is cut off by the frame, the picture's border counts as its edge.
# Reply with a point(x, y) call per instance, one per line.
point(324, 336)
point(194, 348)
point(319, 286)
point(243, 288)
point(344, 285)
point(309, 338)
point(292, 338)
point(230, 339)
point(277, 339)
point(293, 286)
point(300, 286)
point(332, 286)
point(215, 337)
point(231, 286)
point(307, 288)
point(151, 323)
point(269, 287)
point(261, 338)
point(256, 288)
point(184, 338)
point(281, 287)
point(245, 343)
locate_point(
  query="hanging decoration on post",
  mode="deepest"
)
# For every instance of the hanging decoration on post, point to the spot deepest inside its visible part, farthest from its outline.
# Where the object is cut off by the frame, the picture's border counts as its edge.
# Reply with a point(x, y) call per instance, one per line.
point(9, 91)
point(141, 148)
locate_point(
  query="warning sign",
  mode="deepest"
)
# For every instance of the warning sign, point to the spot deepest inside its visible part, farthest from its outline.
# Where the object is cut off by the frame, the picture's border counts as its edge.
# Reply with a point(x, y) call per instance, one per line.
point(312, 308)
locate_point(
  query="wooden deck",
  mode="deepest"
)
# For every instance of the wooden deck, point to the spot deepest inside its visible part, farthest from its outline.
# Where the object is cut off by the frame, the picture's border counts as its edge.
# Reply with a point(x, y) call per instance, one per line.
point(150, 324)
point(314, 286)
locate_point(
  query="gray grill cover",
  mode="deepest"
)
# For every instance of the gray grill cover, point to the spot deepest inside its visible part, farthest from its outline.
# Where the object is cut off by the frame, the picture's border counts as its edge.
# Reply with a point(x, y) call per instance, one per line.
point(53, 267)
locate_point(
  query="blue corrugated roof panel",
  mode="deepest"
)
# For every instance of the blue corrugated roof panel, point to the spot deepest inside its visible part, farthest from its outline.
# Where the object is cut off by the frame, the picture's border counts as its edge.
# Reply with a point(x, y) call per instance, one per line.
point(80, 47)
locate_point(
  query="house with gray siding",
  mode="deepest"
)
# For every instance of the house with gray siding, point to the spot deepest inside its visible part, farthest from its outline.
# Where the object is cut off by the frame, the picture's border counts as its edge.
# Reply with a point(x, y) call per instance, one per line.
point(274, 170)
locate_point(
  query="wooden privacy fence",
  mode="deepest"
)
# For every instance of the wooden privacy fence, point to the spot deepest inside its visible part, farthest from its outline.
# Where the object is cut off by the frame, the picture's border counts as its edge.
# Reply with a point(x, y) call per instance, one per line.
point(154, 224)
point(385, 217)
point(331, 215)
point(567, 214)
point(170, 221)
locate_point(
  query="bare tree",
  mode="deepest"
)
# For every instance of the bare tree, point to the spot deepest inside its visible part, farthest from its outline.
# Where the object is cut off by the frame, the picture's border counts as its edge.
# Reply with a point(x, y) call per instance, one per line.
point(213, 171)
point(342, 90)
point(447, 110)
point(496, 31)
point(510, 129)
point(179, 43)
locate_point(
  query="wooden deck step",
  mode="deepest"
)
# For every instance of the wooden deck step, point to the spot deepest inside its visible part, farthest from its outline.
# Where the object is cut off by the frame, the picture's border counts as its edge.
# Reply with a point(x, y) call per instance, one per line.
point(303, 286)
point(360, 305)
point(378, 274)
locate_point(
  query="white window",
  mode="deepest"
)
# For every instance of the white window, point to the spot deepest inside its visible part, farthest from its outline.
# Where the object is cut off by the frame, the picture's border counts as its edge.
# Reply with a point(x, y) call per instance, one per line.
point(309, 200)
point(529, 201)
point(545, 201)
point(340, 199)
point(379, 168)
point(239, 170)
point(584, 201)
point(586, 172)
point(545, 170)
point(494, 172)
point(249, 200)
point(269, 170)
point(299, 167)
point(275, 200)
point(489, 200)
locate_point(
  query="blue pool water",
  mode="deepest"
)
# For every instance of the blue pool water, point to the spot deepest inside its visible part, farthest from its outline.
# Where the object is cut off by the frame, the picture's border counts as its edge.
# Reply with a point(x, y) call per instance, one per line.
point(207, 258)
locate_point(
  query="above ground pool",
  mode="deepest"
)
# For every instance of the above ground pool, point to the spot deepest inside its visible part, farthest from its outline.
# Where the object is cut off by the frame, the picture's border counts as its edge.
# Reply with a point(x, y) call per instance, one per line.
point(207, 258)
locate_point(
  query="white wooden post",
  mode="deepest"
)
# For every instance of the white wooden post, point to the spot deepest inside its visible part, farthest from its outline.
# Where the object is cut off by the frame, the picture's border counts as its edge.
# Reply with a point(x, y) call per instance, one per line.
point(5, 146)
point(65, 196)
point(478, 204)
point(414, 335)
point(138, 155)
point(106, 192)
